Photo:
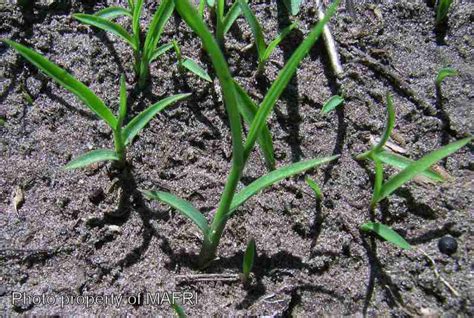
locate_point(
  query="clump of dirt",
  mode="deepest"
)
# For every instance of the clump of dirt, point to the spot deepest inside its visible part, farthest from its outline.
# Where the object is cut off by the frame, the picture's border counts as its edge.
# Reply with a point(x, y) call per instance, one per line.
point(67, 239)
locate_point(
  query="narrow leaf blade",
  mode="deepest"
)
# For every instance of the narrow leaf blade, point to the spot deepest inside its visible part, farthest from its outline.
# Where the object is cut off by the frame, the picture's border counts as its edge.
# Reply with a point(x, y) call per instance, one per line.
point(194, 67)
point(316, 189)
point(92, 157)
point(255, 27)
point(232, 15)
point(162, 15)
point(275, 176)
point(142, 119)
point(401, 162)
point(106, 25)
point(161, 50)
point(111, 13)
point(248, 109)
point(280, 37)
point(419, 166)
point(182, 206)
point(67, 81)
point(249, 258)
point(332, 103)
point(387, 233)
point(445, 72)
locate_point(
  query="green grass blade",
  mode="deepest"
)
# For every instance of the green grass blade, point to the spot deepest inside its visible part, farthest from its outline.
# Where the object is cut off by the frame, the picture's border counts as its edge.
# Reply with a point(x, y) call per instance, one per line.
point(182, 206)
point(123, 102)
point(178, 310)
point(137, 11)
point(293, 6)
point(67, 81)
point(401, 162)
point(332, 103)
point(106, 25)
point(280, 37)
point(442, 10)
point(443, 73)
point(275, 176)
point(387, 233)
point(248, 109)
point(389, 125)
point(419, 166)
point(194, 67)
point(92, 157)
point(142, 119)
point(255, 27)
point(234, 12)
point(249, 258)
point(161, 16)
point(161, 50)
point(316, 189)
point(130, 4)
point(211, 3)
point(111, 13)
point(284, 78)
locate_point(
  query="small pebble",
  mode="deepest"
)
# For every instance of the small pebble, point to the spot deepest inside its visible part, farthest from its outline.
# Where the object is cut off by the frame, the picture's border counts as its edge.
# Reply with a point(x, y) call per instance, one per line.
point(447, 245)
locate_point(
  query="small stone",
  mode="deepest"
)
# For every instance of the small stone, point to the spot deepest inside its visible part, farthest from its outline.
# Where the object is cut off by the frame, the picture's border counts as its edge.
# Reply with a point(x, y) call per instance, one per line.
point(447, 245)
point(114, 229)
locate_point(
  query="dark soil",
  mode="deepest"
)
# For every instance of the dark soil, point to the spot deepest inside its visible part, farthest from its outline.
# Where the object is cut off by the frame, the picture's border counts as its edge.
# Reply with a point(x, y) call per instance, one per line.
point(66, 239)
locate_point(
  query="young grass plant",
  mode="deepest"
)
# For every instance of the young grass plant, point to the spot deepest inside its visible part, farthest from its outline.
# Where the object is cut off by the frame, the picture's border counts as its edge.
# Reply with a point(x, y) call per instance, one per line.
point(249, 259)
point(123, 134)
point(189, 64)
point(410, 168)
point(230, 200)
point(263, 50)
point(316, 189)
point(144, 52)
point(224, 21)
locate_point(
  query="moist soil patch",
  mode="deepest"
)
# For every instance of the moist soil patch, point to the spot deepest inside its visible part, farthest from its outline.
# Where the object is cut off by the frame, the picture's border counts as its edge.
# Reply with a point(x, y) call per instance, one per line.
point(90, 232)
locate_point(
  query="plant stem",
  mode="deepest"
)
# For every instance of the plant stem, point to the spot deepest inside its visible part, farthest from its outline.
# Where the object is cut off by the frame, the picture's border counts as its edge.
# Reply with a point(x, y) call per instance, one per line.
point(119, 147)
point(211, 241)
point(179, 56)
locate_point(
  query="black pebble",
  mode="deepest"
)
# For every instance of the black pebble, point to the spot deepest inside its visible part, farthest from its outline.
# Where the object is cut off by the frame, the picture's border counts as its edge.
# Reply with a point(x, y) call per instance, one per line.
point(447, 245)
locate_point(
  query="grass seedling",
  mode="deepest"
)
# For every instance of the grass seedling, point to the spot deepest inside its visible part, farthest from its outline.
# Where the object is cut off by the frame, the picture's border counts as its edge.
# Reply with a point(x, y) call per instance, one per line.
point(144, 52)
point(224, 21)
point(443, 73)
point(386, 233)
point(123, 134)
point(332, 103)
point(189, 64)
point(263, 50)
point(230, 200)
point(316, 189)
point(410, 168)
point(442, 10)
point(249, 258)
